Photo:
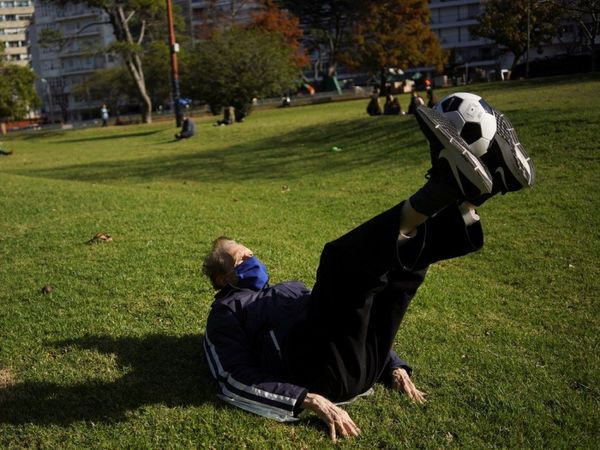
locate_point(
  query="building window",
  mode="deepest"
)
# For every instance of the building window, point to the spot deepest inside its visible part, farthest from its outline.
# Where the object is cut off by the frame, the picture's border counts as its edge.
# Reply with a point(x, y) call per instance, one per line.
point(14, 44)
point(473, 11)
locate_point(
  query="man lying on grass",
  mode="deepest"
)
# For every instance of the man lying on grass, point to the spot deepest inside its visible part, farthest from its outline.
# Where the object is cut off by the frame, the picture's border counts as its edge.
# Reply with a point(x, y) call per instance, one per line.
point(278, 350)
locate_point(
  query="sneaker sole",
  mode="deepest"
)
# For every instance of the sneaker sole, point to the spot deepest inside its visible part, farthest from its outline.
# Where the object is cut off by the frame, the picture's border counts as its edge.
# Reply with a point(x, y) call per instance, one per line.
point(514, 155)
point(457, 152)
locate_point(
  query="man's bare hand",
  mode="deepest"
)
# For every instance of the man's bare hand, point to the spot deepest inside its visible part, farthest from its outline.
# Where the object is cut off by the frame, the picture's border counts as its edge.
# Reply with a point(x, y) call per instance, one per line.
point(401, 382)
point(338, 421)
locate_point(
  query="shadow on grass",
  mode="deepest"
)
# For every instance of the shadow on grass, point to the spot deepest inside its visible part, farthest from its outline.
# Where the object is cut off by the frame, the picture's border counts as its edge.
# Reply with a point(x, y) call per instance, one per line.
point(160, 369)
point(109, 137)
point(305, 150)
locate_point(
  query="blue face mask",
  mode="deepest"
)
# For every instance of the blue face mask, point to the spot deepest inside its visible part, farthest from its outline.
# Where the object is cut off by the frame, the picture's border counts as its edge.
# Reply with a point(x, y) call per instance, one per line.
point(252, 274)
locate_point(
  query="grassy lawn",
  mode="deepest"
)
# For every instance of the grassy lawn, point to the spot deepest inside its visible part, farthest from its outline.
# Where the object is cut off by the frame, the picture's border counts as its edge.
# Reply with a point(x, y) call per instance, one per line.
point(505, 341)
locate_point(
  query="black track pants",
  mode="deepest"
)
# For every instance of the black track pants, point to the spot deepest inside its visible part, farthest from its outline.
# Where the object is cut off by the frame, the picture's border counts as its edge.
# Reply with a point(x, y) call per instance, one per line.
point(365, 282)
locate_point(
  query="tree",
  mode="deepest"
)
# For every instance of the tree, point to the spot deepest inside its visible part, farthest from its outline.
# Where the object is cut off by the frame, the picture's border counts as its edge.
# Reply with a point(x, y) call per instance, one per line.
point(131, 21)
point(273, 20)
point(394, 34)
point(112, 86)
point(238, 65)
point(328, 26)
point(507, 22)
point(17, 94)
point(586, 13)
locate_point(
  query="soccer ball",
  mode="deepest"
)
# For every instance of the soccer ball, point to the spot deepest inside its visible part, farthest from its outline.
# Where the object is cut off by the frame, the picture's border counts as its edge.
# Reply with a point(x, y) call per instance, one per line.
point(473, 117)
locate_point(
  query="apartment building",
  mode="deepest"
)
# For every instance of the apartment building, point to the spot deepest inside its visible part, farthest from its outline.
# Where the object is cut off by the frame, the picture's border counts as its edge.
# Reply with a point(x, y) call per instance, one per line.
point(450, 21)
point(204, 16)
point(15, 16)
point(60, 66)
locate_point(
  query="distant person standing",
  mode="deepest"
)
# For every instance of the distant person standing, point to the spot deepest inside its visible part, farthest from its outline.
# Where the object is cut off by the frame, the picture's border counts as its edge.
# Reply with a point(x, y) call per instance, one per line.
point(104, 115)
point(431, 98)
point(188, 128)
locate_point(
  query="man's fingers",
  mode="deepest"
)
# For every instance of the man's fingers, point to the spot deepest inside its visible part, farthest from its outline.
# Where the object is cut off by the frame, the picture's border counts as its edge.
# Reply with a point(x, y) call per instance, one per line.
point(332, 432)
point(417, 396)
point(347, 428)
point(343, 424)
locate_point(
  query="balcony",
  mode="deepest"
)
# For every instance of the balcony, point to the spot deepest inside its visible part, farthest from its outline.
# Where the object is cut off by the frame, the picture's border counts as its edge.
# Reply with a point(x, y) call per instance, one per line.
point(438, 4)
point(454, 24)
point(451, 43)
point(77, 16)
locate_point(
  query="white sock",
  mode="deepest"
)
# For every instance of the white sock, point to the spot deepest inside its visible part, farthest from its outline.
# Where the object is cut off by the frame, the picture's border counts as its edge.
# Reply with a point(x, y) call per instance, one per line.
point(405, 237)
point(469, 214)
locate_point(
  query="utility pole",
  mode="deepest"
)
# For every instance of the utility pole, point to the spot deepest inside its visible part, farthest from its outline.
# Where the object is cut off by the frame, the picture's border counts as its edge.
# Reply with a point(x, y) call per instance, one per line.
point(173, 49)
point(528, 38)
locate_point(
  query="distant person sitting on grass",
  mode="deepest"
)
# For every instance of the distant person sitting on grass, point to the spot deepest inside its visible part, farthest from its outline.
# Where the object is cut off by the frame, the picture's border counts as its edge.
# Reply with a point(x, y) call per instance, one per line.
point(281, 349)
point(286, 101)
point(228, 116)
point(374, 108)
point(188, 128)
point(415, 101)
point(392, 106)
point(4, 152)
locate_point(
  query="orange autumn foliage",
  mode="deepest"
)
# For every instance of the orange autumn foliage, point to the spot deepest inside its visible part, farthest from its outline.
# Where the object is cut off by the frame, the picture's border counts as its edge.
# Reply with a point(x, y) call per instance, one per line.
point(273, 20)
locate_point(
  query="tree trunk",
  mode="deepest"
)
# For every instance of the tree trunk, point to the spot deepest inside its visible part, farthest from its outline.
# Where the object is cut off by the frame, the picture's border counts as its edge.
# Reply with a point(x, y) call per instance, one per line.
point(516, 59)
point(382, 82)
point(132, 58)
point(134, 65)
point(331, 69)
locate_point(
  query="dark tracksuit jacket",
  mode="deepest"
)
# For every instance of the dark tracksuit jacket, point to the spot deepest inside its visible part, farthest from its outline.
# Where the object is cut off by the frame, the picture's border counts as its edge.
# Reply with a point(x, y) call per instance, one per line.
point(246, 332)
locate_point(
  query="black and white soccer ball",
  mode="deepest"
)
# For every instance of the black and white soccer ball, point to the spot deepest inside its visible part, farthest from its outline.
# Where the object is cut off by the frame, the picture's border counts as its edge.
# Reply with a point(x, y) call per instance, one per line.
point(473, 117)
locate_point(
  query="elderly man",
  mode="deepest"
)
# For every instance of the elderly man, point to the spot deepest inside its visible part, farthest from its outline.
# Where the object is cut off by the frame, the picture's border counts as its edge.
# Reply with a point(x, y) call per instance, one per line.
point(278, 350)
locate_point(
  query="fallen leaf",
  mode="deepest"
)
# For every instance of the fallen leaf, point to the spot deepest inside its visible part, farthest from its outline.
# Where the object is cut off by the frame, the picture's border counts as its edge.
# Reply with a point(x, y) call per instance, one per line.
point(46, 289)
point(6, 378)
point(100, 237)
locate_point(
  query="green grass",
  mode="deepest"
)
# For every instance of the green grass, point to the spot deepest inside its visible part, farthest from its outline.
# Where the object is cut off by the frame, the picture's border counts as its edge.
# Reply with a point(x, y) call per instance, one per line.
point(505, 341)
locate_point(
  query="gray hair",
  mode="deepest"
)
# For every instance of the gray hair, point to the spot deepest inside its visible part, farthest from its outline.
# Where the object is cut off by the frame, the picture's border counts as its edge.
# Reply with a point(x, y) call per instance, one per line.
point(217, 263)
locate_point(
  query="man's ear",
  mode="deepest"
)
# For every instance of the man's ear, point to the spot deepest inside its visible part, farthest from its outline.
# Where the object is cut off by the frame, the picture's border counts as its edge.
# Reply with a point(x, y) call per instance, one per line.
point(220, 281)
point(225, 279)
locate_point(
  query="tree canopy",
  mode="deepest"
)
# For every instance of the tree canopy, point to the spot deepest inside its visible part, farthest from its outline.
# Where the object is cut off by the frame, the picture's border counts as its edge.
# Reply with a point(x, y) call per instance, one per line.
point(112, 86)
point(328, 25)
point(506, 22)
point(17, 94)
point(274, 20)
point(394, 33)
point(238, 65)
point(586, 14)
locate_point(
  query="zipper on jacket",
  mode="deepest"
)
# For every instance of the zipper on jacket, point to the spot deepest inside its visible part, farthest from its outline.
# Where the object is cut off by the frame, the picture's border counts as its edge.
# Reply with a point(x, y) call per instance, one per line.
point(275, 343)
